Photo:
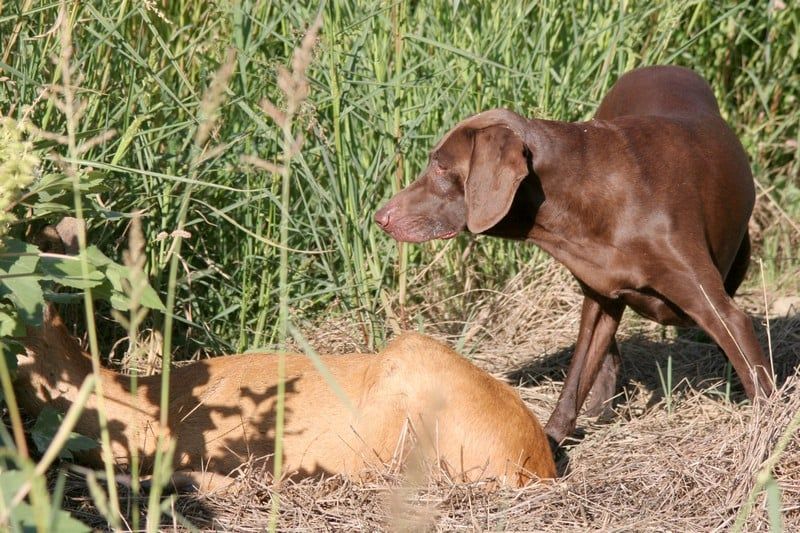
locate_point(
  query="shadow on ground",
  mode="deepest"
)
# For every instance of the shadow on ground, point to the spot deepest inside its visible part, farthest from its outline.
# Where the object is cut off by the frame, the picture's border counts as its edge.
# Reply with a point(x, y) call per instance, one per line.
point(696, 362)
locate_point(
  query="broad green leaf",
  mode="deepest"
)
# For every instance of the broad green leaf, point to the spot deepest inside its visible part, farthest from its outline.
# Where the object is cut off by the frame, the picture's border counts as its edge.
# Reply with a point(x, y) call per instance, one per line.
point(22, 514)
point(18, 255)
point(64, 523)
point(10, 483)
point(95, 182)
point(151, 300)
point(23, 517)
point(96, 257)
point(10, 351)
point(116, 274)
point(45, 428)
point(47, 424)
point(50, 198)
point(52, 193)
point(10, 325)
point(52, 182)
point(67, 271)
point(120, 301)
point(18, 261)
point(80, 443)
point(101, 292)
point(50, 208)
point(26, 293)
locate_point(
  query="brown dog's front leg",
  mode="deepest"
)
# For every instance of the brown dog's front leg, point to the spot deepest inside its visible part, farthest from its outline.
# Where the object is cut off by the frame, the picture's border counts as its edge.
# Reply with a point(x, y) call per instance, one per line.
point(599, 320)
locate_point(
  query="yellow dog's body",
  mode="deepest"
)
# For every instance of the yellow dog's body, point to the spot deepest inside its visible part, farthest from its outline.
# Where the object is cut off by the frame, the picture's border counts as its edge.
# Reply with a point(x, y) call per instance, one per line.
point(222, 410)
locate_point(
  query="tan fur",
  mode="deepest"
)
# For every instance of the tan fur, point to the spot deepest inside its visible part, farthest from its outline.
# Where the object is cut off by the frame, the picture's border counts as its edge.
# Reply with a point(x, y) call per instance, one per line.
point(222, 410)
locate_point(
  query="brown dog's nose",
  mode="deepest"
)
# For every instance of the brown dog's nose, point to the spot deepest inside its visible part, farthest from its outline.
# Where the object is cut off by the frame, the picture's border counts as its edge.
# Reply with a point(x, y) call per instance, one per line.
point(382, 216)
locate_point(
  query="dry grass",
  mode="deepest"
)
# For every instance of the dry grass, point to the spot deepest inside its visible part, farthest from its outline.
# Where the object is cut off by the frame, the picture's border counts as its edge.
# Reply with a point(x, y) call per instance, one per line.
point(690, 472)
point(688, 468)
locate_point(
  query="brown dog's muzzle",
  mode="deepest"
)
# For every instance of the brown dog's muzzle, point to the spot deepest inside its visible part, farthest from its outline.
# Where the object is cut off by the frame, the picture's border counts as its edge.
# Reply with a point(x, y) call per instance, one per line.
point(405, 221)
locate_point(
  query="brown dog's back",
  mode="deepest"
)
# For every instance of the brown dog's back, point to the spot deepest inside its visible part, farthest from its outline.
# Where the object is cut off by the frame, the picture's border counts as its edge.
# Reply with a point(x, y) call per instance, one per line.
point(664, 90)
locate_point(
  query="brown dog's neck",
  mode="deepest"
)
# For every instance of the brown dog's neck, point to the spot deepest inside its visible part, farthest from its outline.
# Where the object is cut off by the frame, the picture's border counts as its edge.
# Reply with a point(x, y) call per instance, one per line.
point(561, 181)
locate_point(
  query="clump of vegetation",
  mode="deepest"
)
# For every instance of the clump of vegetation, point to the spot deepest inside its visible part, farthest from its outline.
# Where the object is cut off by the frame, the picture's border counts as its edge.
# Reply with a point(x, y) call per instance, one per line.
point(18, 165)
point(157, 108)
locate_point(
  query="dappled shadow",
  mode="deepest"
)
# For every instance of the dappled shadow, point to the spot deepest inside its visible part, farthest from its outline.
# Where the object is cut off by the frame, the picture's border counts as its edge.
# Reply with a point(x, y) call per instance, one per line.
point(220, 415)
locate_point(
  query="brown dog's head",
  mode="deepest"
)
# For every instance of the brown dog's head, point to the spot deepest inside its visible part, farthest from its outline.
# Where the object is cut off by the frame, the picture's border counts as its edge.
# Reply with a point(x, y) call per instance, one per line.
point(470, 181)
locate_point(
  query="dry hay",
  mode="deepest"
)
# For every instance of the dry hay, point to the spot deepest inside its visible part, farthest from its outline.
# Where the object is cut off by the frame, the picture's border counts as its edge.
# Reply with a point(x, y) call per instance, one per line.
point(683, 461)
point(687, 461)
point(691, 470)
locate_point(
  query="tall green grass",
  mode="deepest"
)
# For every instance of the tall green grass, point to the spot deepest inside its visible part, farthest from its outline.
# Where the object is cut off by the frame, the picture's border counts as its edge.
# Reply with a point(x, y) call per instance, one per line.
point(387, 79)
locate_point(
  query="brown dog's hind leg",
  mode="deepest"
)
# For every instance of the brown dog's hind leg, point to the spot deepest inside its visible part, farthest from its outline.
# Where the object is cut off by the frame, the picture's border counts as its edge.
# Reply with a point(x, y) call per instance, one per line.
point(738, 269)
point(700, 293)
point(599, 320)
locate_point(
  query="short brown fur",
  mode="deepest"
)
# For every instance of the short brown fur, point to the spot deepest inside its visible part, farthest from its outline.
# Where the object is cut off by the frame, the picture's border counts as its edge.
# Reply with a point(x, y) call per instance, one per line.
point(647, 205)
point(222, 410)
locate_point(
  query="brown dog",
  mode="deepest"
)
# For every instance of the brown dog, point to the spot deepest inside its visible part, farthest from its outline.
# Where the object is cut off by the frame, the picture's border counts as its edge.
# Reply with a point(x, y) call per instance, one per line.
point(647, 205)
point(222, 411)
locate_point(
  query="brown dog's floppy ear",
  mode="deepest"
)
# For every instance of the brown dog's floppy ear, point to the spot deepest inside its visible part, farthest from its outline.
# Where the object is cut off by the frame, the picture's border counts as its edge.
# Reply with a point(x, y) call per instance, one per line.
point(497, 167)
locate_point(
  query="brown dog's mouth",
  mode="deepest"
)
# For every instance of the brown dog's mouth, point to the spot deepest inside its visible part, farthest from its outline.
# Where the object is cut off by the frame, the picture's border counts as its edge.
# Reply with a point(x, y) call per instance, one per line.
point(417, 230)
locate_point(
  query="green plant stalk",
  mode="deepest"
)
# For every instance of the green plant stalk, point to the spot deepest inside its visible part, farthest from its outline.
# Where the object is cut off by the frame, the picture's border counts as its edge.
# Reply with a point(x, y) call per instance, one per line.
point(99, 497)
point(290, 146)
point(766, 315)
point(728, 380)
point(206, 121)
point(153, 512)
point(133, 331)
point(666, 383)
point(341, 172)
point(70, 112)
point(135, 467)
point(324, 372)
point(765, 474)
point(13, 408)
point(399, 181)
point(669, 383)
point(39, 497)
point(58, 496)
point(95, 356)
point(283, 312)
point(774, 515)
point(59, 439)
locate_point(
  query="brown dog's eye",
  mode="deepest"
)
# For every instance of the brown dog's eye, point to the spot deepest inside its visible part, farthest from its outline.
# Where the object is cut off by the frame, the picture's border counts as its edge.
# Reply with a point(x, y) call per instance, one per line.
point(441, 181)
